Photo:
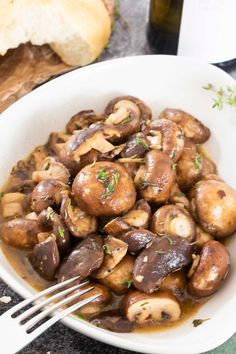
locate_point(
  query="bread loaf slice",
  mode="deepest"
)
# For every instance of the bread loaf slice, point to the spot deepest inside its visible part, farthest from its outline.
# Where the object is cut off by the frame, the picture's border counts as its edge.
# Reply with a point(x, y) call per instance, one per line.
point(77, 30)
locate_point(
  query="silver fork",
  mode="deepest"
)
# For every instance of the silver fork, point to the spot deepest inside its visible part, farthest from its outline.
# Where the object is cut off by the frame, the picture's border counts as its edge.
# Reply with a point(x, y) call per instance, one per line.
point(15, 335)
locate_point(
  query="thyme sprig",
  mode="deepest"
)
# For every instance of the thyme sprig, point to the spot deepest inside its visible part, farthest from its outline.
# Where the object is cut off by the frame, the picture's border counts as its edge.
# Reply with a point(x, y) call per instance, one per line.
point(223, 96)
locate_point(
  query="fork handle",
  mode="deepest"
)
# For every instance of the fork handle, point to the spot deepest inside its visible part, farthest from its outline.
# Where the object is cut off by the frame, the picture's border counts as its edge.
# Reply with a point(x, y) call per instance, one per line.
point(12, 339)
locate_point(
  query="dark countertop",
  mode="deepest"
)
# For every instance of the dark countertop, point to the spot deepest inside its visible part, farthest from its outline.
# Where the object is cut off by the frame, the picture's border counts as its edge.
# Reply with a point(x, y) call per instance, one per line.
point(129, 38)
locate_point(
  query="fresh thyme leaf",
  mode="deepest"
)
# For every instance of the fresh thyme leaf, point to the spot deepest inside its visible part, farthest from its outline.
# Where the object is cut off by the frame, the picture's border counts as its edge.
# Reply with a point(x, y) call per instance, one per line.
point(112, 183)
point(50, 213)
point(1, 194)
point(160, 251)
point(61, 231)
point(222, 96)
point(80, 316)
point(103, 175)
point(144, 184)
point(127, 119)
point(197, 162)
point(145, 303)
point(128, 283)
point(47, 166)
point(198, 322)
point(169, 240)
point(173, 166)
point(139, 141)
point(107, 249)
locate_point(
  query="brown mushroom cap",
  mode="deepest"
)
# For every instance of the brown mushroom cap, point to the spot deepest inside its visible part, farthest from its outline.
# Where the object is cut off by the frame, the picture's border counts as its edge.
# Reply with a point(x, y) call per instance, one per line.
point(211, 271)
point(137, 239)
point(192, 127)
point(113, 321)
point(173, 220)
point(137, 146)
point(214, 205)
point(157, 178)
point(45, 258)
point(171, 140)
point(83, 260)
point(160, 258)
point(104, 189)
point(82, 120)
point(141, 308)
point(20, 232)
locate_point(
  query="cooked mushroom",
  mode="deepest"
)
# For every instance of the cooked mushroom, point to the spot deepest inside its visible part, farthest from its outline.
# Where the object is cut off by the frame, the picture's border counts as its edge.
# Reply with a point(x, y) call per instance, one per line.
point(114, 252)
point(45, 258)
point(104, 189)
point(78, 222)
point(20, 178)
point(157, 178)
point(160, 258)
point(12, 204)
point(138, 217)
point(136, 146)
point(211, 271)
point(37, 157)
point(47, 193)
point(141, 308)
point(49, 218)
point(95, 306)
point(20, 232)
point(192, 127)
point(178, 198)
point(56, 141)
point(86, 257)
point(82, 120)
point(120, 279)
point(113, 321)
point(175, 283)
point(165, 135)
point(137, 239)
point(214, 206)
point(126, 113)
point(202, 237)
point(51, 169)
point(173, 220)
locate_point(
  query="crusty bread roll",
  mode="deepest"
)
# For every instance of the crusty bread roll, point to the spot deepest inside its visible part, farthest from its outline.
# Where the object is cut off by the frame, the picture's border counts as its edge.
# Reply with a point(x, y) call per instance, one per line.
point(77, 30)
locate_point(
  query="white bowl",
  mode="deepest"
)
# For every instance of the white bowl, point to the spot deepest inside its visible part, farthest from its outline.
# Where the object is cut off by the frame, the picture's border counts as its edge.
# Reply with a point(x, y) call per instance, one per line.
point(161, 81)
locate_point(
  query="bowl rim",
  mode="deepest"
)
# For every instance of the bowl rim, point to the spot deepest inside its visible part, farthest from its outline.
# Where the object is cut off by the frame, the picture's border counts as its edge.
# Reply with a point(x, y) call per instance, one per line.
point(77, 324)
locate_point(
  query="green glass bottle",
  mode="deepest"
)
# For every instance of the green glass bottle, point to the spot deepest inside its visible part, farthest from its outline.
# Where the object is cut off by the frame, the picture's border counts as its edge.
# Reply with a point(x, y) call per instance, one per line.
point(164, 25)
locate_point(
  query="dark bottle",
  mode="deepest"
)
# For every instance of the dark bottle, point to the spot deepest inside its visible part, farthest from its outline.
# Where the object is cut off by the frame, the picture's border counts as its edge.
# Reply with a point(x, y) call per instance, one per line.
point(164, 25)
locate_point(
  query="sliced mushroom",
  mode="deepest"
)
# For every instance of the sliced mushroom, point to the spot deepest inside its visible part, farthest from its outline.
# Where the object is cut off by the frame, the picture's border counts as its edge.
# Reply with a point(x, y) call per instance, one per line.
point(37, 157)
point(51, 169)
point(158, 308)
point(82, 120)
point(104, 189)
point(157, 178)
point(50, 219)
point(114, 252)
point(126, 113)
point(12, 204)
point(202, 237)
point(47, 193)
point(45, 258)
point(86, 257)
point(160, 258)
point(20, 178)
point(20, 232)
point(138, 217)
point(192, 127)
point(56, 142)
point(120, 279)
point(78, 222)
point(175, 283)
point(214, 207)
point(172, 220)
point(137, 239)
point(113, 321)
point(136, 146)
point(95, 306)
point(211, 271)
point(178, 198)
point(166, 136)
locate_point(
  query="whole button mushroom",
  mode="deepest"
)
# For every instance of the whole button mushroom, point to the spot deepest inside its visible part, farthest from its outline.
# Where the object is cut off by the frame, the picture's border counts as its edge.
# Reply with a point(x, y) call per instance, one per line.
point(211, 270)
point(165, 135)
point(160, 258)
point(104, 189)
point(156, 179)
point(214, 206)
point(192, 127)
point(158, 308)
point(172, 220)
